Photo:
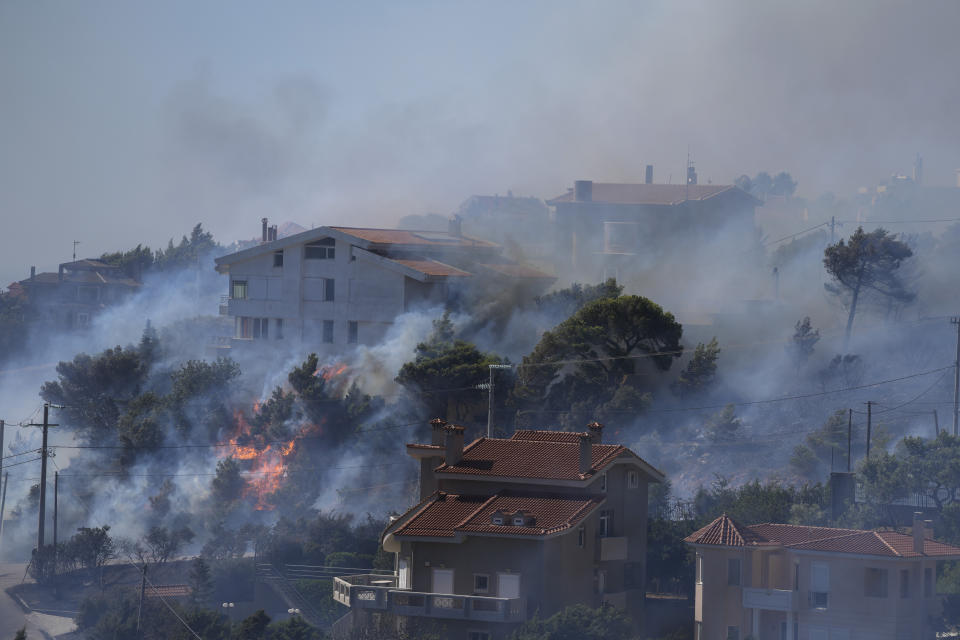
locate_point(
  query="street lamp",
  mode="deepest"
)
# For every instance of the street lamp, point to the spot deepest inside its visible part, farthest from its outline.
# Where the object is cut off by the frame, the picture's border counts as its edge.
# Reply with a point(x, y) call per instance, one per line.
point(228, 609)
point(293, 611)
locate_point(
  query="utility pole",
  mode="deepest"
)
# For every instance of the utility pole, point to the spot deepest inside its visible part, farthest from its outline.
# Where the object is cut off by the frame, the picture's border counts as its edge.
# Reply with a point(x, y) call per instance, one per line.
point(3, 502)
point(143, 588)
point(956, 378)
point(56, 492)
point(43, 472)
point(849, 435)
point(2, 425)
point(936, 424)
point(490, 396)
point(869, 424)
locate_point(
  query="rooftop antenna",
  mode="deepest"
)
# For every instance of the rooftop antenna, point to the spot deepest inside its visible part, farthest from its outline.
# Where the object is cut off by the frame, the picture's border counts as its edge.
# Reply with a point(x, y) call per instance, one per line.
point(75, 243)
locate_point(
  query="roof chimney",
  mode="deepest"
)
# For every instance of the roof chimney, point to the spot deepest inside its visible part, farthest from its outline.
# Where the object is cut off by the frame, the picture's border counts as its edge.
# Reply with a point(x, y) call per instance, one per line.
point(454, 444)
point(918, 532)
point(595, 429)
point(648, 178)
point(586, 453)
point(273, 233)
point(436, 431)
point(33, 272)
point(455, 226)
point(583, 190)
point(265, 231)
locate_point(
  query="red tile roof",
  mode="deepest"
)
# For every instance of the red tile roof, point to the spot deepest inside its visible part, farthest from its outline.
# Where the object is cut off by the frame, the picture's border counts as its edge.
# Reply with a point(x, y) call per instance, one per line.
point(652, 194)
point(548, 460)
point(446, 515)
point(404, 237)
point(432, 267)
point(724, 531)
point(543, 435)
point(168, 591)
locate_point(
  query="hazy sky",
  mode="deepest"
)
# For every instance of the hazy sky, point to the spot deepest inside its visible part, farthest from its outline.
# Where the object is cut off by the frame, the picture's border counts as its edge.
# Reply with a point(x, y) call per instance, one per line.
point(128, 122)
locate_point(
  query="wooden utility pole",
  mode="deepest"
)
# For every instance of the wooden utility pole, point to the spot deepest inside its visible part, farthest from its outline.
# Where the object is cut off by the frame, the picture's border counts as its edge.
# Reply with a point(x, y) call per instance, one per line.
point(849, 435)
point(56, 492)
point(43, 473)
point(143, 588)
point(2, 425)
point(869, 424)
point(3, 502)
point(956, 379)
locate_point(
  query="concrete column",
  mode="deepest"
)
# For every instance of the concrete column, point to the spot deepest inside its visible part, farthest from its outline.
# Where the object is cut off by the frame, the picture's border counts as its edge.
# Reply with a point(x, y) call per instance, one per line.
point(756, 623)
point(790, 626)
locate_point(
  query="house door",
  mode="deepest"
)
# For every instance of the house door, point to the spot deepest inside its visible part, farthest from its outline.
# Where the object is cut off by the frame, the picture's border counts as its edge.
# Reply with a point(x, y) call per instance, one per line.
point(508, 585)
point(403, 581)
point(443, 581)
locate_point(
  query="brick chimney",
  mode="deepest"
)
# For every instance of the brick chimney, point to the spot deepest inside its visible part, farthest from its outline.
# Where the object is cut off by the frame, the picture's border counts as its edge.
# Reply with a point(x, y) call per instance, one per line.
point(436, 431)
point(264, 231)
point(919, 533)
point(595, 429)
point(586, 452)
point(33, 272)
point(583, 190)
point(453, 442)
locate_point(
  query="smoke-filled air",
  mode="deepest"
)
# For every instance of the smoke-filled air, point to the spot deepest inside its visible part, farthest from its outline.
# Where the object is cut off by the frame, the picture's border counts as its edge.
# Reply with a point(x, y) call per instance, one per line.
point(490, 322)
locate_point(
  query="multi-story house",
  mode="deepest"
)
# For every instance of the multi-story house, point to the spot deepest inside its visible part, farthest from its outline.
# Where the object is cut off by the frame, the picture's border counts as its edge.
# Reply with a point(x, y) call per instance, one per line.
point(73, 296)
point(509, 528)
point(790, 582)
point(332, 287)
point(613, 229)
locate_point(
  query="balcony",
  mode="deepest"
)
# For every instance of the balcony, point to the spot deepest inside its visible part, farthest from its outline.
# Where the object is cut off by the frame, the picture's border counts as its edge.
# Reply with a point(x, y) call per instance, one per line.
point(770, 599)
point(380, 593)
point(613, 549)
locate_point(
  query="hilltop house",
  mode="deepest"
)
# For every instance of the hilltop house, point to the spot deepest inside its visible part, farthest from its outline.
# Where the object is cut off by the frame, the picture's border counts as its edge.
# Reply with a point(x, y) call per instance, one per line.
point(332, 287)
point(72, 297)
point(509, 528)
point(789, 582)
point(604, 229)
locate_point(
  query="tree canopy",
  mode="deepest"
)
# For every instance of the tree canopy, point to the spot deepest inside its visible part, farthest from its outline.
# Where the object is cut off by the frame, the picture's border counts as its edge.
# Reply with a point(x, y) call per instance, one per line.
point(867, 263)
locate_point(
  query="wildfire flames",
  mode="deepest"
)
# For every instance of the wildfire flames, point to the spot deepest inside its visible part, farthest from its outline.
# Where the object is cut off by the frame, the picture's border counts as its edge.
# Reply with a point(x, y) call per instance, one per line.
point(266, 466)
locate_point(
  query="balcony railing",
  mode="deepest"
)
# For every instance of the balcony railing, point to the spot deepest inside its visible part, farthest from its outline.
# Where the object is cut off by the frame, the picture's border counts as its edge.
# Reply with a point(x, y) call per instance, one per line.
point(381, 593)
point(613, 548)
point(770, 599)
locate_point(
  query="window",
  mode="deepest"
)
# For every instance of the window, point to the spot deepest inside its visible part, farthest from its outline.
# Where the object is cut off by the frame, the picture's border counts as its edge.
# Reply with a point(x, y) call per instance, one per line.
point(875, 583)
point(927, 582)
point(606, 524)
point(581, 537)
point(633, 479)
point(518, 521)
point(278, 334)
point(819, 585)
point(320, 250)
point(329, 289)
point(733, 633)
point(733, 571)
point(278, 258)
point(603, 482)
point(244, 327)
point(904, 583)
point(478, 635)
point(481, 583)
point(261, 328)
point(699, 569)
point(83, 320)
point(353, 331)
point(238, 289)
point(328, 331)
point(497, 520)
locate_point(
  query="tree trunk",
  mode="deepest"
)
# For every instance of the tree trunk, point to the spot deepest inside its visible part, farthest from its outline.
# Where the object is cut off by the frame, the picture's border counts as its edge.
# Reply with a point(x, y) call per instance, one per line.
point(853, 310)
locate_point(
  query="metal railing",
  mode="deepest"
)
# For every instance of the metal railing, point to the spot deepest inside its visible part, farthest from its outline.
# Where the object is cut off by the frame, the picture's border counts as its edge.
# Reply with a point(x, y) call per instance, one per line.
point(379, 592)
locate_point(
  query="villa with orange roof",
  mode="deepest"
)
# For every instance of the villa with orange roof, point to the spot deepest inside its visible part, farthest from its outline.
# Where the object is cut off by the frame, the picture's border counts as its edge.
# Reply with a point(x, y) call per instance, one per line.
point(334, 287)
point(509, 528)
point(790, 582)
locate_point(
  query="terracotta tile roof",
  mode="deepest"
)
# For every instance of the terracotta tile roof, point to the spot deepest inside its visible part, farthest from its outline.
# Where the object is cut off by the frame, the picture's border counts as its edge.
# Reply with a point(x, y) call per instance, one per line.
point(432, 267)
point(404, 237)
point(168, 591)
point(652, 194)
point(548, 460)
point(446, 515)
point(543, 435)
point(724, 531)
point(727, 532)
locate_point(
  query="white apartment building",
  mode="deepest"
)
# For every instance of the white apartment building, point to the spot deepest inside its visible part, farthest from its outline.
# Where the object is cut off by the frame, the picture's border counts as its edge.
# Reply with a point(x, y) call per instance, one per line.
point(332, 287)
